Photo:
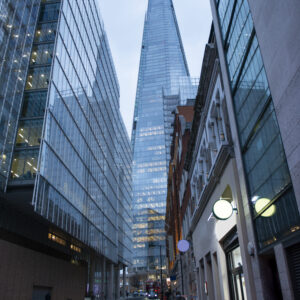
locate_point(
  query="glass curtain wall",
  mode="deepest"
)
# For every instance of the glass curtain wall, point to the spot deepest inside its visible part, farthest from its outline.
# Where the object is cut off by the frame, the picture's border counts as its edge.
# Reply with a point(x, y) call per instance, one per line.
point(17, 23)
point(28, 139)
point(271, 194)
point(84, 179)
point(162, 64)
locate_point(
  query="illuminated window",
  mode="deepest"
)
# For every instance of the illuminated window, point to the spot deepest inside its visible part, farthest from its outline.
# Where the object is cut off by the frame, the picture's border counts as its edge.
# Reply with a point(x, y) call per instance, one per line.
point(75, 248)
point(56, 239)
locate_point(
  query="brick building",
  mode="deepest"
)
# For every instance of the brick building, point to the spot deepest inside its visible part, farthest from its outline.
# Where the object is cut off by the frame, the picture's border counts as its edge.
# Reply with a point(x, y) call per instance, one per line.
point(177, 195)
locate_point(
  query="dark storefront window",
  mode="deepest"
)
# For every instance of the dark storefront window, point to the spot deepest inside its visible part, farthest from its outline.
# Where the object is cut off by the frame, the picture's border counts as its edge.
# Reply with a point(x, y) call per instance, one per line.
point(41, 293)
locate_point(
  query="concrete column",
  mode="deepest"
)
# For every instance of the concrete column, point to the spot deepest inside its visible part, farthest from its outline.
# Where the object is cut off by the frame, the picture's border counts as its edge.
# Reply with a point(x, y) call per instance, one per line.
point(91, 271)
point(110, 285)
point(215, 270)
point(124, 282)
point(209, 277)
point(283, 272)
point(103, 277)
point(198, 283)
point(117, 276)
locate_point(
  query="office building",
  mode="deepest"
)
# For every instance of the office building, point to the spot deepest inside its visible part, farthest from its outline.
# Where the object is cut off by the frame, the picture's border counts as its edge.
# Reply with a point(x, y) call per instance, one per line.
point(65, 154)
point(259, 60)
point(163, 69)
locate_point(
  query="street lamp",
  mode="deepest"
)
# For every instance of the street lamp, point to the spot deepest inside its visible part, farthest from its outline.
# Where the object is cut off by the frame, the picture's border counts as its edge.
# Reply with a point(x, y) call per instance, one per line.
point(183, 246)
point(223, 209)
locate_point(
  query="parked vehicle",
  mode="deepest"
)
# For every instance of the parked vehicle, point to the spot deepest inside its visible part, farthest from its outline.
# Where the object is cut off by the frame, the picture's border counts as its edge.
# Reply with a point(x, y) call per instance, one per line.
point(135, 294)
point(152, 295)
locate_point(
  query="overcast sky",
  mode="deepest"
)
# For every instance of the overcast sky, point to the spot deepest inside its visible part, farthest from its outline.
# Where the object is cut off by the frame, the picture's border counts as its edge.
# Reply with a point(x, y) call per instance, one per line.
point(124, 21)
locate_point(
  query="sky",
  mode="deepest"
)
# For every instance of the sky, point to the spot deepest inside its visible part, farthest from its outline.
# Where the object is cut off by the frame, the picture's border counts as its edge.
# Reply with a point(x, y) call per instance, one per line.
point(124, 22)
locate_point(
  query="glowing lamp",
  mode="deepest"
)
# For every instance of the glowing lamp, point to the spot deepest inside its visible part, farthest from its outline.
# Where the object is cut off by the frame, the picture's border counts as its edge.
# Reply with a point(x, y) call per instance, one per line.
point(223, 209)
point(261, 204)
point(183, 245)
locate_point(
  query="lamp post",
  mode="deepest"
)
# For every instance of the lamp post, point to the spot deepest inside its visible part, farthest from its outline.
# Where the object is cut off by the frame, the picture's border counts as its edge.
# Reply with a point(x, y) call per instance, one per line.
point(182, 282)
point(183, 246)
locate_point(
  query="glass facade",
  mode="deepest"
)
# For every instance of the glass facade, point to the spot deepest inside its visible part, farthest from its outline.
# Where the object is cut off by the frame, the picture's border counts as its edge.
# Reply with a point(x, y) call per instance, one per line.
point(272, 197)
point(70, 142)
point(17, 24)
point(162, 66)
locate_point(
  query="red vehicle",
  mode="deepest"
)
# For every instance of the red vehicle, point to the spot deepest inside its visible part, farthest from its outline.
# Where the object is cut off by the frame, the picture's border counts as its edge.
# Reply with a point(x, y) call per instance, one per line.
point(153, 286)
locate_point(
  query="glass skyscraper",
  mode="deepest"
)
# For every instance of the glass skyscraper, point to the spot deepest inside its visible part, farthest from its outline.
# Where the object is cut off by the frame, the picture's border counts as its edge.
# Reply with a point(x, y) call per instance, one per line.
point(62, 134)
point(162, 85)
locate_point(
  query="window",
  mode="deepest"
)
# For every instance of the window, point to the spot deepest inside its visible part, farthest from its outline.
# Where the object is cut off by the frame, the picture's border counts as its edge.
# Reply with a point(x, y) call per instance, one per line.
point(41, 54)
point(29, 133)
point(236, 276)
point(38, 78)
point(45, 32)
point(24, 165)
point(49, 12)
point(41, 293)
point(34, 104)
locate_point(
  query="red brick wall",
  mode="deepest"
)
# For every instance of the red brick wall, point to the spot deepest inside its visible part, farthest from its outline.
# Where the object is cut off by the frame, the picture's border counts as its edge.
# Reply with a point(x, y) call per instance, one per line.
point(22, 268)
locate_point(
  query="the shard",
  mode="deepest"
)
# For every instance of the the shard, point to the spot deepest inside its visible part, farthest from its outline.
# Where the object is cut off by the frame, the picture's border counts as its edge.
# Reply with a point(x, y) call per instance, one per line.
point(163, 83)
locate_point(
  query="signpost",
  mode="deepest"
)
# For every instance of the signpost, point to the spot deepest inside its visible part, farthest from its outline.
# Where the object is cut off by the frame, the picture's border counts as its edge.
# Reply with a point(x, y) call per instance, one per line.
point(183, 246)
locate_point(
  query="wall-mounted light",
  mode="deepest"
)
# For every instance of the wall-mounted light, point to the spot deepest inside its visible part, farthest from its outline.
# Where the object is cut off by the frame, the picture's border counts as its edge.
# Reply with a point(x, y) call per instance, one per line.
point(223, 209)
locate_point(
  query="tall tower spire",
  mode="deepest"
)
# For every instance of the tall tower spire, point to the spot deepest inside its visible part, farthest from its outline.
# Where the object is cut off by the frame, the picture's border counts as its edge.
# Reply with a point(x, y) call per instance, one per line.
point(162, 66)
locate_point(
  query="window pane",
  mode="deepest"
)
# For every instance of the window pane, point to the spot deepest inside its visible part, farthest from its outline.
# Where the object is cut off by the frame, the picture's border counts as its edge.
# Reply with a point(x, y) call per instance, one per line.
point(45, 32)
point(41, 54)
point(284, 221)
point(34, 104)
point(29, 133)
point(49, 12)
point(24, 165)
point(38, 78)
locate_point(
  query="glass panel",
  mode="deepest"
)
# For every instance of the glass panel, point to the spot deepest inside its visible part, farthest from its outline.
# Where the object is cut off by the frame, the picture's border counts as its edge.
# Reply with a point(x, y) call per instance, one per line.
point(34, 104)
point(283, 221)
point(29, 133)
point(41, 54)
point(236, 258)
point(265, 161)
point(45, 32)
point(243, 288)
point(24, 165)
point(49, 12)
point(237, 285)
point(263, 153)
point(38, 78)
